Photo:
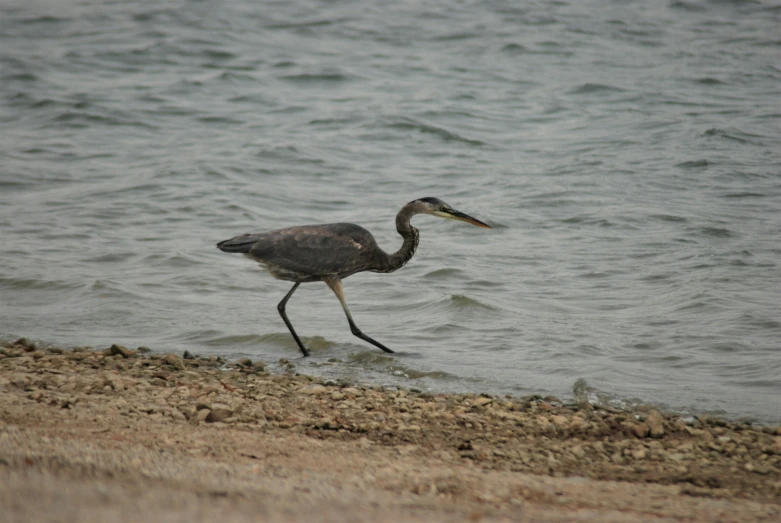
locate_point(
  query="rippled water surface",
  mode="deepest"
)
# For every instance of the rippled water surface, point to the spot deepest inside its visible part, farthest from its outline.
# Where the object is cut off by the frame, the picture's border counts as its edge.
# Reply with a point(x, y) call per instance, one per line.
point(627, 155)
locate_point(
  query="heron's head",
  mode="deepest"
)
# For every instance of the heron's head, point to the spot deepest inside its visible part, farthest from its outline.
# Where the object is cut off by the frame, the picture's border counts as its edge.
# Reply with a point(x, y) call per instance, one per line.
point(437, 207)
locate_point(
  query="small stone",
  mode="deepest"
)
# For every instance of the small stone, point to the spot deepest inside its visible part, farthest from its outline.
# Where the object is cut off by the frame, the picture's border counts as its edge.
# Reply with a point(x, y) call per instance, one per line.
point(118, 350)
point(655, 422)
point(336, 396)
point(187, 355)
point(641, 430)
point(24, 342)
point(313, 389)
point(482, 401)
point(174, 361)
point(245, 362)
point(55, 350)
point(560, 421)
point(203, 414)
point(218, 414)
point(20, 380)
point(778, 431)
point(37, 395)
point(143, 350)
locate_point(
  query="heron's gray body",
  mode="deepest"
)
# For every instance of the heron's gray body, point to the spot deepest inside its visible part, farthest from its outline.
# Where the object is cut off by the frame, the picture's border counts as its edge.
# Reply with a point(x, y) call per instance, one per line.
point(333, 251)
point(310, 253)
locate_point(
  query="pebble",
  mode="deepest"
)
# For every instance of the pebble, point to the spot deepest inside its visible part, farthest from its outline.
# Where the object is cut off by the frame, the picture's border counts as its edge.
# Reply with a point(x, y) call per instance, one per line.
point(655, 422)
point(20, 380)
point(21, 342)
point(641, 430)
point(174, 361)
point(483, 401)
point(118, 350)
point(560, 421)
point(313, 389)
point(218, 414)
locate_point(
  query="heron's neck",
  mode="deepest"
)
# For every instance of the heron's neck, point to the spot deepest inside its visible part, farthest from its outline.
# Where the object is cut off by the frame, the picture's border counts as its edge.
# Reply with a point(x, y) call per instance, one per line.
point(410, 234)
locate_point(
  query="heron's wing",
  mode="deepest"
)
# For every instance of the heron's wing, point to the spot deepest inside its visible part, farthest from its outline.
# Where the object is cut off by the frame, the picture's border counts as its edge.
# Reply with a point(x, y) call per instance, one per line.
point(316, 251)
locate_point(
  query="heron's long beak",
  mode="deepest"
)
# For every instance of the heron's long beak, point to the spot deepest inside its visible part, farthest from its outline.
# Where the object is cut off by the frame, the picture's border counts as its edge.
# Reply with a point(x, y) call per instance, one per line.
point(453, 214)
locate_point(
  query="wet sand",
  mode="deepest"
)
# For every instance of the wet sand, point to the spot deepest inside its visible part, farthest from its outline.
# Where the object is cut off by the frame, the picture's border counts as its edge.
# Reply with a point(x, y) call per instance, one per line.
point(117, 435)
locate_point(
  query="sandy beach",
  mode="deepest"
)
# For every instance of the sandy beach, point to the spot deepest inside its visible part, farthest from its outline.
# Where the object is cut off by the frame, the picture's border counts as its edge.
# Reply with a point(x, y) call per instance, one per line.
point(119, 435)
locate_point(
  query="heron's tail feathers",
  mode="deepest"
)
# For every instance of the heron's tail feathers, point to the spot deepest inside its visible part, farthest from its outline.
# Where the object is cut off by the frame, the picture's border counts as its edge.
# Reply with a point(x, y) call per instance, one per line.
point(241, 243)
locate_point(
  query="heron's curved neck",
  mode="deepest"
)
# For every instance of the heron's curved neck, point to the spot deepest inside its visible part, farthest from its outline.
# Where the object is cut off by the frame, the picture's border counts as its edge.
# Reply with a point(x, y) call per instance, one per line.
point(410, 234)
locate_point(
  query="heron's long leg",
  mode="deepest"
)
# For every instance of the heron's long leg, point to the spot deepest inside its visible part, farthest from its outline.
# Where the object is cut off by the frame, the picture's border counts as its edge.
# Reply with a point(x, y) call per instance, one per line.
point(281, 309)
point(336, 285)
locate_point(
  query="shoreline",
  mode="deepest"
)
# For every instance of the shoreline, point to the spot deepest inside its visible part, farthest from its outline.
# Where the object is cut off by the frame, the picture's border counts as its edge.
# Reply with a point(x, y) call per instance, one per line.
point(578, 392)
point(117, 428)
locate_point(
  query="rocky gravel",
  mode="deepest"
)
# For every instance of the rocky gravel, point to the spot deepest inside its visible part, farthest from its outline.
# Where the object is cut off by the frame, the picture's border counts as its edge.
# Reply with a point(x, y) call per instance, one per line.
point(165, 403)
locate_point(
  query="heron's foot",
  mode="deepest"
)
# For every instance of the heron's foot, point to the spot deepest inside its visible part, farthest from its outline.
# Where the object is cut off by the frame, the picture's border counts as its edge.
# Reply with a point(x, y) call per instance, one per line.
point(357, 332)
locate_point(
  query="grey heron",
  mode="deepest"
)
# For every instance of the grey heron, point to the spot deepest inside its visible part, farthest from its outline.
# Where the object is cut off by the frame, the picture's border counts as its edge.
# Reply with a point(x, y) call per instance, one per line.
point(331, 252)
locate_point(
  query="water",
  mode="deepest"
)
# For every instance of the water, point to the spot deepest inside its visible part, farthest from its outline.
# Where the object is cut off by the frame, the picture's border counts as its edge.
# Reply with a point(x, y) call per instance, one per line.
point(626, 153)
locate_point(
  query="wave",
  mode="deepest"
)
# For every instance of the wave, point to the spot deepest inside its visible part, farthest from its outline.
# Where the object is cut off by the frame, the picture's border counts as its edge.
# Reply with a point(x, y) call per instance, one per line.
point(405, 123)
